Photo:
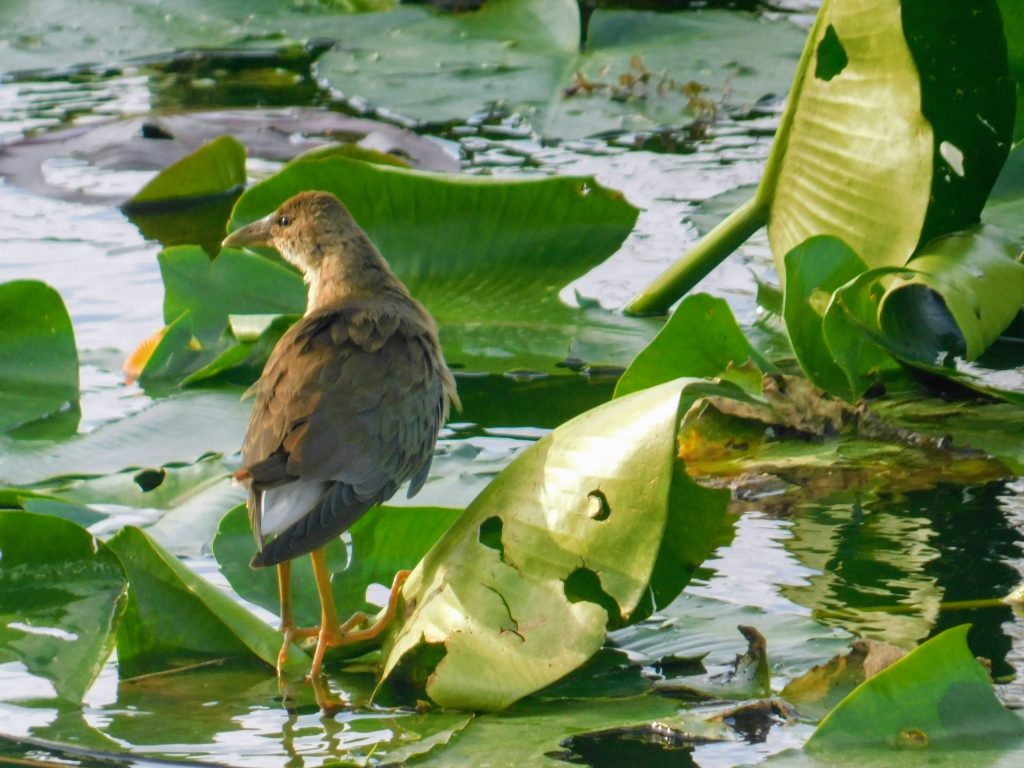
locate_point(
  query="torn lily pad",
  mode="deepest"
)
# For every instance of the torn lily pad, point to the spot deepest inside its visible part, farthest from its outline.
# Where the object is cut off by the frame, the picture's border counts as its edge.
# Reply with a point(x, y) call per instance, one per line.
point(562, 544)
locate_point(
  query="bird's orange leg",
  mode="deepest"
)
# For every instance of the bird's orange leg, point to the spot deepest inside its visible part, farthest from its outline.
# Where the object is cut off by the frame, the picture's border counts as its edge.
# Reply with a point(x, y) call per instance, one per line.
point(332, 633)
point(288, 628)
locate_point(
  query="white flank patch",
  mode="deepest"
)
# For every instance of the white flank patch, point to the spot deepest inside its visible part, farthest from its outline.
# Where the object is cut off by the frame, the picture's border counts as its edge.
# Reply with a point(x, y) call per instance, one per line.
point(287, 504)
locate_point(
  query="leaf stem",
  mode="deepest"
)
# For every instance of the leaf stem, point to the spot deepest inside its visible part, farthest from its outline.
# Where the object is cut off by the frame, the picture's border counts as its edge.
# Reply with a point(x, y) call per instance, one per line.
point(953, 605)
point(710, 251)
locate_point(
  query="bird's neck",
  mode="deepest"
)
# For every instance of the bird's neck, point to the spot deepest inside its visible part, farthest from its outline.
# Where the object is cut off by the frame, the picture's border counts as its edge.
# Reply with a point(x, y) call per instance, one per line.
point(354, 270)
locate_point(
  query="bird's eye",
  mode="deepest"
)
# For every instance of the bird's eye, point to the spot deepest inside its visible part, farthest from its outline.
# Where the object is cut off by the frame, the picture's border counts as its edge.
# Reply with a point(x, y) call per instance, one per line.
point(283, 221)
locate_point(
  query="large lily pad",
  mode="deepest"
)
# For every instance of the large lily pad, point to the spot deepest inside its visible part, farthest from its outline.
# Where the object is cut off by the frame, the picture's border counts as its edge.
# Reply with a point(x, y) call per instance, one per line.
point(559, 547)
point(174, 618)
point(61, 595)
point(488, 257)
point(915, 161)
point(38, 358)
point(523, 56)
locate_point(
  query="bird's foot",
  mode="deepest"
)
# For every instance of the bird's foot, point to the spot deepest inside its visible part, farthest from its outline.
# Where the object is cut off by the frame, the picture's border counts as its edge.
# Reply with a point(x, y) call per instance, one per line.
point(291, 634)
point(347, 634)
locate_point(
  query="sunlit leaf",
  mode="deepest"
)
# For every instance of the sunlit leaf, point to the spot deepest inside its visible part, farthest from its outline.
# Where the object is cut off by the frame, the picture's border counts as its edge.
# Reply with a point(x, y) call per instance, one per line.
point(701, 339)
point(888, 139)
point(217, 168)
point(974, 276)
point(814, 270)
point(562, 544)
point(174, 618)
point(38, 358)
point(939, 691)
point(61, 595)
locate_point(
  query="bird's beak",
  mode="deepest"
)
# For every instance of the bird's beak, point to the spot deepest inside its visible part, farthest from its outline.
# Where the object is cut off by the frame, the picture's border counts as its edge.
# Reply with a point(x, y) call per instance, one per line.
point(257, 233)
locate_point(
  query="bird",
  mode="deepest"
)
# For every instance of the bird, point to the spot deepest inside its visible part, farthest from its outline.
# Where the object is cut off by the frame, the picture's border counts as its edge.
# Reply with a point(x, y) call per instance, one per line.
point(348, 407)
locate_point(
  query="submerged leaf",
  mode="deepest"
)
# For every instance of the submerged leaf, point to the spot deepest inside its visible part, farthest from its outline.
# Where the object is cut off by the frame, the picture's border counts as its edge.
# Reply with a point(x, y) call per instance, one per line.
point(825, 685)
point(641, 69)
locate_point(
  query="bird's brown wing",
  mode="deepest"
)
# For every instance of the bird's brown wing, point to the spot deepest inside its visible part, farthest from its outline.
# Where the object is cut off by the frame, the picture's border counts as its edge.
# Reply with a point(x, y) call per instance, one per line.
point(348, 408)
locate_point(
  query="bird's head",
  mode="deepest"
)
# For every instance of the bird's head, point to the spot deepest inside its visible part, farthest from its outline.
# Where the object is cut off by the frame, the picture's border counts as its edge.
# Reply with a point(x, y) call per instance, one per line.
point(302, 229)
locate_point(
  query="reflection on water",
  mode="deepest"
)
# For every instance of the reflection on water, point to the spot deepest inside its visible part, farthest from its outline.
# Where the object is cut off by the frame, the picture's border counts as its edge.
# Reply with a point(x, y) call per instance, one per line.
point(910, 553)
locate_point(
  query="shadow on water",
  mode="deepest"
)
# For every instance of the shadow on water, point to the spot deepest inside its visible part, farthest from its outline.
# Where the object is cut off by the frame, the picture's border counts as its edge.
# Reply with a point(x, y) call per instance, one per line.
point(615, 749)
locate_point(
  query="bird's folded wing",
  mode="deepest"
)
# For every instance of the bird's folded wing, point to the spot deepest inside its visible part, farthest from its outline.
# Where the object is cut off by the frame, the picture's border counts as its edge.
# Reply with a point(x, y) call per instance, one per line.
point(351, 397)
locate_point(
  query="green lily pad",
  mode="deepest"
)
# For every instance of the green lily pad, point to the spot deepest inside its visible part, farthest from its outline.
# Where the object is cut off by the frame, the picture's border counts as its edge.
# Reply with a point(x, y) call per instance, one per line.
point(560, 546)
point(488, 258)
point(215, 169)
point(974, 276)
point(174, 618)
point(700, 339)
point(640, 70)
point(939, 692)
point(814, 270)
point(38, 358)
point(181, 428)
point(61, 596)
point(235, 283)
point(968, 289)
point(926, 168)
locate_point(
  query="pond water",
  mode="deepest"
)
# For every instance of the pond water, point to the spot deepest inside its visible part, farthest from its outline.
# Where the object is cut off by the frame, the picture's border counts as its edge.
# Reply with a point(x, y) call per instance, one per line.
point(809, 573)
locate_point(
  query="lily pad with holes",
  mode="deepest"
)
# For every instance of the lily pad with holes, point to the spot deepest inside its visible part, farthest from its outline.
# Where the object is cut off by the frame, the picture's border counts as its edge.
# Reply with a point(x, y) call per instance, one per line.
point(558, 548)
point(883, 150)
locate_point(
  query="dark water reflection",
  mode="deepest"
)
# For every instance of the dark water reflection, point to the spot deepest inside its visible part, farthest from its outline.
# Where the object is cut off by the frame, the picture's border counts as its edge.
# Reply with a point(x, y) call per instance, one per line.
point(886, 564)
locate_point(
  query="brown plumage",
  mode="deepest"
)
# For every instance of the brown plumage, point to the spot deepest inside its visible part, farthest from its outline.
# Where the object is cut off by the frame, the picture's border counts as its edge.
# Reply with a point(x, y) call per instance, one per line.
point(351, 400)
